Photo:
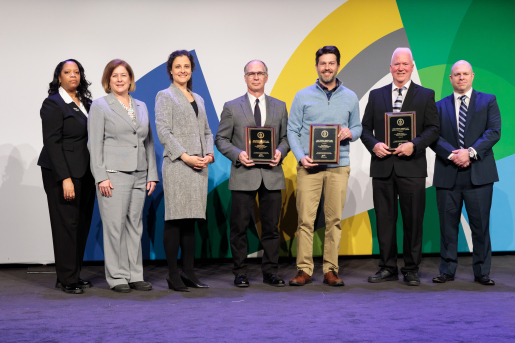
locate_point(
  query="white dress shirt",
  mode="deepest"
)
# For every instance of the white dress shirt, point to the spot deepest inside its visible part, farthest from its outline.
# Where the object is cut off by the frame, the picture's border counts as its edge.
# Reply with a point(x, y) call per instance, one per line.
point(457, 104)
point(262, 107)
point(68, 99)
point(395, 92)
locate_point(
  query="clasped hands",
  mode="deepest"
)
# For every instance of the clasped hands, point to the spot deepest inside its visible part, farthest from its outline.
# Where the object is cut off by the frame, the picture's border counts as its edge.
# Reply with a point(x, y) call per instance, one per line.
point(405, 149)
point(244, 159)
point(197, 162)
point(461, 158)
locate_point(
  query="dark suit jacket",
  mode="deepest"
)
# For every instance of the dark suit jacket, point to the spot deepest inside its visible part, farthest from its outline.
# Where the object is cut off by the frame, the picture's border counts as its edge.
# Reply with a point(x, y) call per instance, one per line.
point(418, 99)
point(65, 138)
point(230, 141)
point(482, 131)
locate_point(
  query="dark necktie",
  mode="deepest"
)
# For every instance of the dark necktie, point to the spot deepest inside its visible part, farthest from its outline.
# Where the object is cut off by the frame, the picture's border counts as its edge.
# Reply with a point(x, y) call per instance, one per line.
point(257, 113)
point(398, 102)
point(462, 121)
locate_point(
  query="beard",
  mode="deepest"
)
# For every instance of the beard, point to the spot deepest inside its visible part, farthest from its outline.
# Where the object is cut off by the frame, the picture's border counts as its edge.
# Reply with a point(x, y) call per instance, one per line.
point(328, 79)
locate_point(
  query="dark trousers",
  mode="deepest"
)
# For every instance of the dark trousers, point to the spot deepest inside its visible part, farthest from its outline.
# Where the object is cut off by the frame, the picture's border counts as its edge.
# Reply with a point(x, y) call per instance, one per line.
point(70, 222)
point(270, 207)
point(478, 201)
point(412, 200)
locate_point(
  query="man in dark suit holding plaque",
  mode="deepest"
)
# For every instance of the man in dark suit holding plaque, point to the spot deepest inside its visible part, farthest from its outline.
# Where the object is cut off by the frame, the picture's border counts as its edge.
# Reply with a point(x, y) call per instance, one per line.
point(327, 101)
point(465, 171)
point(399, 172)
point(255, 109)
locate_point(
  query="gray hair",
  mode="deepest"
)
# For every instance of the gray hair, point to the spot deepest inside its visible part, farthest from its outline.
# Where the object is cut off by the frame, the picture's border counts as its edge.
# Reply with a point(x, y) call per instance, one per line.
point(245, 68)
point(408, 50)
point(462, 62)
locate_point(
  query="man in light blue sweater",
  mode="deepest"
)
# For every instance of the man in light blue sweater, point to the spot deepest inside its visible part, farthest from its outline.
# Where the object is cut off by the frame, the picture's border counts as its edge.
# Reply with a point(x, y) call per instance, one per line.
point(325, 102)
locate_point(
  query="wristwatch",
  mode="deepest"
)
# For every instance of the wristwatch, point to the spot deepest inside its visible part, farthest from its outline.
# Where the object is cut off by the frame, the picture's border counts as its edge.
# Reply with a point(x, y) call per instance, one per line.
point(471, 153)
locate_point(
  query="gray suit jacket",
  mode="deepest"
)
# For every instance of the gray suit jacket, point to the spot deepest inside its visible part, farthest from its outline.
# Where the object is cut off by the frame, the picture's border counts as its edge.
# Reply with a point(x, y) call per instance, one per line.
point(116, 143)
point(230, 141)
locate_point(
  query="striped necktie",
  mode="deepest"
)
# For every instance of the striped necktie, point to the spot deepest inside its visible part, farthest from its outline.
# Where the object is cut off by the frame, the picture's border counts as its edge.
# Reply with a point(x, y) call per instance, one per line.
point(462, 121)
point(398, 102)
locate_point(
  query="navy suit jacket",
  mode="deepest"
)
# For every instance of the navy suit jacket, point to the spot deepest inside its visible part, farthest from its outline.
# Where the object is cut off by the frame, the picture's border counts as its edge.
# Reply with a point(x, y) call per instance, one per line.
point(482, 131)
point(418, 99)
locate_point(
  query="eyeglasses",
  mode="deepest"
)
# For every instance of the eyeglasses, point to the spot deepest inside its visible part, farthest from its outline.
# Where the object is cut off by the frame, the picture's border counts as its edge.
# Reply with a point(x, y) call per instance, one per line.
point(259, 74)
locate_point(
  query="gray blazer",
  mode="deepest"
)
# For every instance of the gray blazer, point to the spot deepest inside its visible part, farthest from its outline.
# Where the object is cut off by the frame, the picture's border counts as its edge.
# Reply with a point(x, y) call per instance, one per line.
point(181, 131)
point(230, 141)
point(116, 143)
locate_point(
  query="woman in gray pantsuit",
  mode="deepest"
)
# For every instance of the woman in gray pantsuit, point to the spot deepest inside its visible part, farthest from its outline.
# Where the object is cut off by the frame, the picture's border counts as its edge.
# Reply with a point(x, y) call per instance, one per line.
point(184, 132)
point(123, 163)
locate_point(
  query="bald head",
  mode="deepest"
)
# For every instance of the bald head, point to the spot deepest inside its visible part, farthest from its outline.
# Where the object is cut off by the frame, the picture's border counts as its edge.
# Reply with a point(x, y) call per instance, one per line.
point(461, 63)
point(253, 62)
point(461, 77)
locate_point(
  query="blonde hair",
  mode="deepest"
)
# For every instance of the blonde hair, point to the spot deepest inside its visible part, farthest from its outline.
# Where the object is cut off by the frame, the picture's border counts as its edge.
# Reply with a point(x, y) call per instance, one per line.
point(108, 71)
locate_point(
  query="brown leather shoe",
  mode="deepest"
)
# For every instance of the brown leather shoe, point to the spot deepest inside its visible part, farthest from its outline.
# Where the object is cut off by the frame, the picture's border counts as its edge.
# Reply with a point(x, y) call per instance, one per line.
point(300, 279)
point(332, 279)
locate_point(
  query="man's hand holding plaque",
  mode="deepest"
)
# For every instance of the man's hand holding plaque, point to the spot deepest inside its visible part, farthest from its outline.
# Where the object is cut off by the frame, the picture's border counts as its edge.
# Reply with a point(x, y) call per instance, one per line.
point(260, 146)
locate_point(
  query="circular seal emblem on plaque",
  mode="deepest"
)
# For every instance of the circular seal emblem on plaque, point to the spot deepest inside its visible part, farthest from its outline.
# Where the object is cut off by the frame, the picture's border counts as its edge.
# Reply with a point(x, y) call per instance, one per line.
point(400, 122)
point(324, 133)
point(261, 135)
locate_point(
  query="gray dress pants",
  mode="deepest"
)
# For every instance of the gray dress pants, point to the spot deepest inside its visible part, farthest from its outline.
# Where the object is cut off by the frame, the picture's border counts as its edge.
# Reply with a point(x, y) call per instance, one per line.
point(123, 226)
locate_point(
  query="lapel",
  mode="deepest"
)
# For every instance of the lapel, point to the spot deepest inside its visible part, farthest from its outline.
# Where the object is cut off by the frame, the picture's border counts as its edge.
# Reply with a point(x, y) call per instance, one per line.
point(200, 118)
point(269, 112)
point(117, 108)
point(184, 102)
point(72, 107)
point(451, 117)
point(137, 112)
point(408, 99)
point(471, 110)
point(387, 95)
point(247, 110)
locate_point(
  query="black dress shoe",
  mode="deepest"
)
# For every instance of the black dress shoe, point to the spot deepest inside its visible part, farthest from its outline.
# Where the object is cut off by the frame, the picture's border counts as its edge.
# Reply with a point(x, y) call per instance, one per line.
point(74, 288)
point(140, 285)
point(192, 282)
point(484, 280)
point(273, 280)
point(177, 286)
point(411, 279)
point(123, 288)
point(84, 284)
point(443, 278)
point(241, 280)
point(383, 275)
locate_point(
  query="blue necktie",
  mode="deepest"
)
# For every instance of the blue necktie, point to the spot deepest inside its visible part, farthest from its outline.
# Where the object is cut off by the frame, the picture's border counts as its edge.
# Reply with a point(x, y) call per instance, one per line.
point(462, 121)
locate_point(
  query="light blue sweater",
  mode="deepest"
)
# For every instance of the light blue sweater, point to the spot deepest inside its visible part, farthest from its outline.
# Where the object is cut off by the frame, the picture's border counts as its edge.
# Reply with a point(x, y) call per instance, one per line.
point(311, 106)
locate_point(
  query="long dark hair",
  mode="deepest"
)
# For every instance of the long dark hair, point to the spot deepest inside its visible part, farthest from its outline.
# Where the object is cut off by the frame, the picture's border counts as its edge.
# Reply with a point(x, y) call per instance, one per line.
point(173, 56)
point(82, 91)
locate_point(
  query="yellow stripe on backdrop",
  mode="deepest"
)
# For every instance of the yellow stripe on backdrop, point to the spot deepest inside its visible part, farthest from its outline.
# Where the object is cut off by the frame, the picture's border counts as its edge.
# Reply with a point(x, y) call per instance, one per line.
point(351, 27)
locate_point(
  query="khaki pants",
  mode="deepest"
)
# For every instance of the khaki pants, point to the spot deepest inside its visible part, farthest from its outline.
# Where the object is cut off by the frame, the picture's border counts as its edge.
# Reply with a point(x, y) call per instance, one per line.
point(310, 183)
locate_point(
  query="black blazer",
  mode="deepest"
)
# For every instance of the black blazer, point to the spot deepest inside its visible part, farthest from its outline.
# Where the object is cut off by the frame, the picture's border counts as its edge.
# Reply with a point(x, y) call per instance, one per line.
point(65, 138)
point(482, 131)
point(418, 99)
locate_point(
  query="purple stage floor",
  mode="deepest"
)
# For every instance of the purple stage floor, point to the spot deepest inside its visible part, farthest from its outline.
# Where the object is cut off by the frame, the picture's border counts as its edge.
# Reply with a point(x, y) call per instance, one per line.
point(31, 310)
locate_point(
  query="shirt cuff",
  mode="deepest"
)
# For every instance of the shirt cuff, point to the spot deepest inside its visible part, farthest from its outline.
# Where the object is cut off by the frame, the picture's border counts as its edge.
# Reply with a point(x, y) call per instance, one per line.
point(450, 156)
point(474, 152)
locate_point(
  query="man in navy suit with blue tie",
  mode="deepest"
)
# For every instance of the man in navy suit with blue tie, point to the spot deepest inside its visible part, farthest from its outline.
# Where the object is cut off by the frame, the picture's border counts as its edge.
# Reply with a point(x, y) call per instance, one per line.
point(465, 170)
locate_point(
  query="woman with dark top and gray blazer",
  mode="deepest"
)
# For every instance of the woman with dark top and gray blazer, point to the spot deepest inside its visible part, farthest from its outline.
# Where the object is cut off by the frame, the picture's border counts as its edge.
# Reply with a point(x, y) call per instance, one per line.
point(183, 130)
point(67, 179)
point(123, 162)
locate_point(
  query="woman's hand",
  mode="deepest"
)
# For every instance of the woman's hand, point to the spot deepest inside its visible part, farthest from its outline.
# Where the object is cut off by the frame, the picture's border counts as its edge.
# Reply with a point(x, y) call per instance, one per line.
point(194, 162)
point(68, 189)
point(150, 187)
point(105, 188)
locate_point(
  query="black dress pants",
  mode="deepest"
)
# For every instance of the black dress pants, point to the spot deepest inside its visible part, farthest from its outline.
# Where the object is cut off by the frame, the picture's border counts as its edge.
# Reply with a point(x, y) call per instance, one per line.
point(478, 201)
point(411, 192)
point(241, 210)
point(70, 222)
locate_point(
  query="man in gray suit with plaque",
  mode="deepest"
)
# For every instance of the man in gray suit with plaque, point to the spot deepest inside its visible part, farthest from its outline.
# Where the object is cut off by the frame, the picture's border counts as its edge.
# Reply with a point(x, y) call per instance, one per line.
point(255, 124)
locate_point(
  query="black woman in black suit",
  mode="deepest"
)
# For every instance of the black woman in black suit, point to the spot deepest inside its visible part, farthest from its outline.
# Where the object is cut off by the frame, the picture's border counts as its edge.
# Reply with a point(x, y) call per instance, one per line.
point(67, 179)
